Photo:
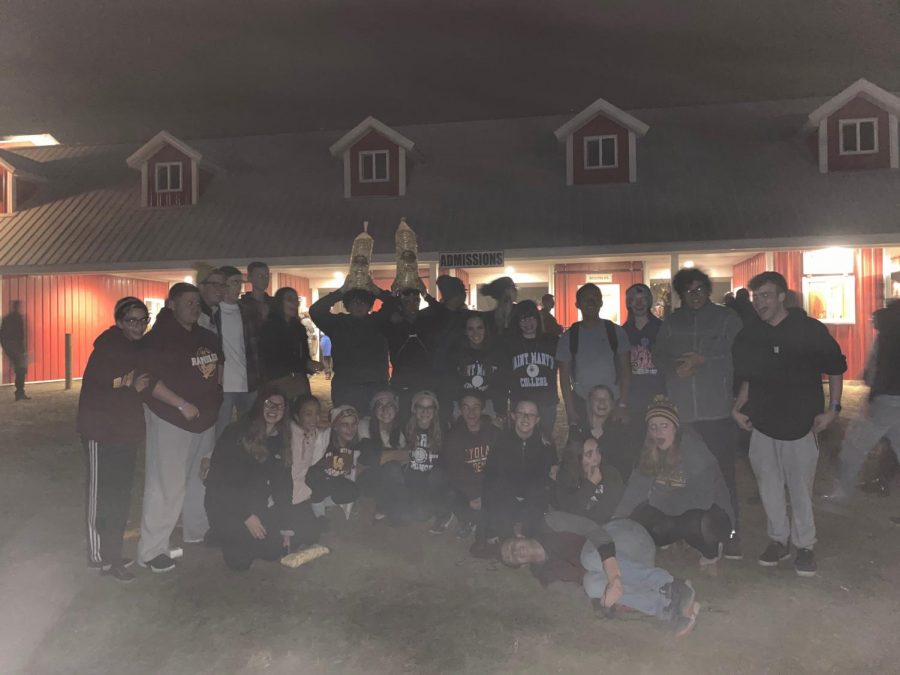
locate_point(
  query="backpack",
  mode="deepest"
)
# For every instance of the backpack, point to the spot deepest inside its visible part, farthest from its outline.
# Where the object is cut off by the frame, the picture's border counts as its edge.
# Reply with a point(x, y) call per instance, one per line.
point(611, 336)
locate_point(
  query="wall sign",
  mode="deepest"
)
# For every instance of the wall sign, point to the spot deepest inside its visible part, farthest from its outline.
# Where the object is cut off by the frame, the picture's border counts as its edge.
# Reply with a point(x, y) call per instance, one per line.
point(473, 259)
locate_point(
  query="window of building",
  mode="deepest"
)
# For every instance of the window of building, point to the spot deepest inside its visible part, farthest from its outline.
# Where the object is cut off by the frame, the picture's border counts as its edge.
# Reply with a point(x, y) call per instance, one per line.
point(374, 166)
point(601, 152)
point(168, 177)
point(859, 137)
point(829, 285)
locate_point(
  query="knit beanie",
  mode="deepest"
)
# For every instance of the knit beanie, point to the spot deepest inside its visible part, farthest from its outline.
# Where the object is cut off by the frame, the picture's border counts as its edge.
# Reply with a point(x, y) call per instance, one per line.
point(341, 412)
point(419, 395)
point(662, 407)
point(386, 396)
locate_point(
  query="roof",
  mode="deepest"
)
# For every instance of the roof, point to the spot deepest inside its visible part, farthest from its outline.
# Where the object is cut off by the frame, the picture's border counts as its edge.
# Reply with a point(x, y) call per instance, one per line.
point(22, 167)
point(155, 144)
point(862, 88)
point(608, 110)
point(721, 173)
point(361, 129)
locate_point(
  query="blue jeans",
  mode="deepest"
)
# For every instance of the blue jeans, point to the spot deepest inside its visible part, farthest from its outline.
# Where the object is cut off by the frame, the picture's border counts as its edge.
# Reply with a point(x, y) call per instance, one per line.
point(241, 401)
point(882, 421)
point(636, 554)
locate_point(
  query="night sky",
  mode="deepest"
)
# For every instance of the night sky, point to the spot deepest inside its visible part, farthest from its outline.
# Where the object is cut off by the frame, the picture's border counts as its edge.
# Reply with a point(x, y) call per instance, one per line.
point(120, 70)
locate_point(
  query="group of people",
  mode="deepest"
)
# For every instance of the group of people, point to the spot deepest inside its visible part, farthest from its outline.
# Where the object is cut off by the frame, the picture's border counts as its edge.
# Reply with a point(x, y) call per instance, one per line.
point(445, 414)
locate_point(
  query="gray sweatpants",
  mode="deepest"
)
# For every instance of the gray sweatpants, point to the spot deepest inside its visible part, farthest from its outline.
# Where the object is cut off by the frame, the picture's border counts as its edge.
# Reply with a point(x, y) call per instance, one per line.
point(786, 463)
point(883, 420)
point(172, 485)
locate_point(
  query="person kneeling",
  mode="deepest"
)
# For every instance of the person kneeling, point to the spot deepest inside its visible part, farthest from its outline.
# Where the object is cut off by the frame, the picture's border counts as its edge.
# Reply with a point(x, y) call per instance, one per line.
point(333, 477)
point(677, 491)
point(250, 469)
point(615, 564)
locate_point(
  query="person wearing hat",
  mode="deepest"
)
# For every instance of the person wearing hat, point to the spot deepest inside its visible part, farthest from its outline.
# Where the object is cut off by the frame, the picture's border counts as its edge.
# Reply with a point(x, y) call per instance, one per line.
point(504, 292)
point(677, 491)
point(111, 424)
point(641, 327)
point(333, 476)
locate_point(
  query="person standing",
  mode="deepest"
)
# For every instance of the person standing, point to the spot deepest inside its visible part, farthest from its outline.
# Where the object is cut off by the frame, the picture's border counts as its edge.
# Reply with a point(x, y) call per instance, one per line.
point(185, 367)
point(111, 425)
point(693, 350)
point(647, 382)
point(12, 340)
point(450, 316)
point(504, 292)
point(478, 368)
point(257, 299)
point(551, 325)
point(212, 287)
point(593, 351)
point(284, 347)
point(780, 361)
point(239, 337)
point(325, 351)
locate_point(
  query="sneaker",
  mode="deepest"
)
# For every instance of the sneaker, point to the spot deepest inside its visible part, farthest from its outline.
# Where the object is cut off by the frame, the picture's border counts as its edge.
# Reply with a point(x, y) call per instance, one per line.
point(22, 397)
point(775, 552)
point(732, 548)
point(441, 524)
point(805, 563)
point(117, 572)
point(465, 530)
point(126, 562)
point(683, 624)
point(194, 541)
point(682, 595)
point(161, 563)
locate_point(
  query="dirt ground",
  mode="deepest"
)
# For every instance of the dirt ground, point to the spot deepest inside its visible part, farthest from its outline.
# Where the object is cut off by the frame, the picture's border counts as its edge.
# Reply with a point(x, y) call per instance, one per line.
point(403, 601)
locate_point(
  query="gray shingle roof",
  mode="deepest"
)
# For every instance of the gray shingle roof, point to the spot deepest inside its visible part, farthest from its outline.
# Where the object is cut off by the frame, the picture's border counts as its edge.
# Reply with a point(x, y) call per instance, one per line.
point(723, 173)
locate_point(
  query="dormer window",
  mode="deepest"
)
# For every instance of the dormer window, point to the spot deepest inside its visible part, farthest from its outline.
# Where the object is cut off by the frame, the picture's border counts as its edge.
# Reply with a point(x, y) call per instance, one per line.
point(859, 137)
point(168, 177)
point(601, 152)
point(374, 166)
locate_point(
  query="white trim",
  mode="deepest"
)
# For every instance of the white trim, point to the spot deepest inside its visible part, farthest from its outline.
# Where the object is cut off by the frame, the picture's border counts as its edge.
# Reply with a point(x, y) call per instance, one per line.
point(823, 146)
point(632, 157)
point(862, 88)
point(195, 182)
point(856, 122)
point(145, 187)
point(570, 161)
point(608, 110)
point(168, 167)
point(600, 139)
point(369, 124)
point(11, 194)
point(151, 147)
point(401, 171)
point(892, 140)
point(387, 166)
point(348, 186)
point(770, 261)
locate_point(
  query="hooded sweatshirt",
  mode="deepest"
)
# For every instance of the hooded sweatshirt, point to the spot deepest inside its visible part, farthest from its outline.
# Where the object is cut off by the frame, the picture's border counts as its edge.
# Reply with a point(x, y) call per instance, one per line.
point(531, 369)
point(187, 363)
point(108, 410)
point(517, 466)
point(479, 369)
point(466, 455)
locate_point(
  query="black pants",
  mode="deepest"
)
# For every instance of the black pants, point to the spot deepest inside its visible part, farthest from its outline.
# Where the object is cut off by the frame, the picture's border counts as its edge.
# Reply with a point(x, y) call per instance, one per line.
point(20, 381)
point(504, 509)
point(357, 395)
point(240, 548)
point(341, 490)
point(301, 519)
point(110, 475)
point(703, 530)
point(469, 516)
point(721, 437)
point(405, 495)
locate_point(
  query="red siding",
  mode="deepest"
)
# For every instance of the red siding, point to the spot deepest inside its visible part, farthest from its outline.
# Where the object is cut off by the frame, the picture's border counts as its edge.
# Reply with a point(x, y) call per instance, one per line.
point(855, 109)
point(82, 305)
point(569, 277)
point(299, 284)
point(745, 270)
point(600, 126)
point(184, 198)
point(390, 188)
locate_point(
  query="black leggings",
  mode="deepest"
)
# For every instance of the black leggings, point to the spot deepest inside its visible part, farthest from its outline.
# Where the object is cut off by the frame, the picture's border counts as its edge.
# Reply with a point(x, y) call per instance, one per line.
point(341, 490)
point(240, 549)
point(703, 530)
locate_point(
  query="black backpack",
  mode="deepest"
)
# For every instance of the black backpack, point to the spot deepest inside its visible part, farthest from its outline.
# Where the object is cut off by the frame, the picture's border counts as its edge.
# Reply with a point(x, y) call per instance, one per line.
point(611, 336)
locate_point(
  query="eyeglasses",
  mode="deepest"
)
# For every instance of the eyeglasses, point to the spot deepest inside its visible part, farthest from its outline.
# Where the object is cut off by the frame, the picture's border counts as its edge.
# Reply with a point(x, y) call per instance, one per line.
point(697, 291)
point(526, 416)
point(271, 405)
point(137, 322)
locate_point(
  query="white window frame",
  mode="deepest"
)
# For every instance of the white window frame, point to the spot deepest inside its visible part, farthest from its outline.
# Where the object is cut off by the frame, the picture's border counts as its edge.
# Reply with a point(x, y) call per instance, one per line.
point(842, 124)
point(600, 139)
point(373, 154)
point(168, 167)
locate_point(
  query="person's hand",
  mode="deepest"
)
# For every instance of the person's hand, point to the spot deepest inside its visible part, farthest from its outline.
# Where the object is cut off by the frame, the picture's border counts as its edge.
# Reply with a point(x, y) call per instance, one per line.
point(743, 421)
point(204, 468)
point(613, 592)
point(475, 504)
point(554, 471)
point(595, 475)
point(620, 414)
point(286, 539)
point(255, 527)
point(688, 364)
point(189, 411)
point(821, 422)
point(141, 382)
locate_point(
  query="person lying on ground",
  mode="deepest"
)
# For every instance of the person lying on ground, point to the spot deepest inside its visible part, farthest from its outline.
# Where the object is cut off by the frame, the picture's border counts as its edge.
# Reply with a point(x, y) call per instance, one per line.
point(615, 564)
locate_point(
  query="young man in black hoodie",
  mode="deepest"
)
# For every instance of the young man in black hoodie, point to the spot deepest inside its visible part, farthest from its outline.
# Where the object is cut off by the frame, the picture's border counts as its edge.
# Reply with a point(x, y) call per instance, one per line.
point(184, 362)
point(111, 424)
point(780, 361)
point(518, 475)
point(359, 348)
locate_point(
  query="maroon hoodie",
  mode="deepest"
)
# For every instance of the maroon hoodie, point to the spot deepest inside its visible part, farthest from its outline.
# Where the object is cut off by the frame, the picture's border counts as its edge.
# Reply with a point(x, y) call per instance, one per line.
point(108, 411)
point(187, 362)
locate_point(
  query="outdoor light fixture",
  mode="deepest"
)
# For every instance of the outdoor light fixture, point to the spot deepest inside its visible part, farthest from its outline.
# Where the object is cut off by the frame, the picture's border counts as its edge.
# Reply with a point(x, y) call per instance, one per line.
point(188, 279)
point(510, 270)
point(339, 278)
point(689, 263)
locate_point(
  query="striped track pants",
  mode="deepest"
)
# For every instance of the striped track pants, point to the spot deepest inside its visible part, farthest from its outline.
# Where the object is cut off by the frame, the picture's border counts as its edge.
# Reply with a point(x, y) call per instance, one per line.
point(110, 475)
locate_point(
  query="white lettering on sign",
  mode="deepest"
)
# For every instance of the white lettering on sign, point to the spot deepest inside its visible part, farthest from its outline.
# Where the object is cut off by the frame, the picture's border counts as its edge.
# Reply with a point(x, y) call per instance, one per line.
point(473, 259)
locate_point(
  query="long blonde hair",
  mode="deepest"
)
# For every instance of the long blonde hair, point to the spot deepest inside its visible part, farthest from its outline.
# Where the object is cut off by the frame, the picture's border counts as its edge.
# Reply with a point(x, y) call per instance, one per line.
point(655, 462)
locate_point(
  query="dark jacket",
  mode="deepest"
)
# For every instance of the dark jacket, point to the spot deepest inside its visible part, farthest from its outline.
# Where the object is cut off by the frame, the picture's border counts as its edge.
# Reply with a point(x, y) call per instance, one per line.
point(108, 410)
point(239, 486)
point(516, 467)
point(411, 344)
point(466, 454)
point(886, 380)
point(358, 345)
point(581, 497)
point(12, 336)
point(784, 366)
point(530, 369)
point(187, 362)
point(283, 347)
point(480, 369)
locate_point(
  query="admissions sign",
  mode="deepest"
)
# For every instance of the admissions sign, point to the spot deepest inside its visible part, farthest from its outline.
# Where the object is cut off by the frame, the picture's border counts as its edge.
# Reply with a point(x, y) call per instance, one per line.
point(473, 259)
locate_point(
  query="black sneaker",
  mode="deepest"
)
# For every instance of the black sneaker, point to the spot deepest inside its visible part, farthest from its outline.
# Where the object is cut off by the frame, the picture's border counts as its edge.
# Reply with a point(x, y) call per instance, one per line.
point(775, 552)
point(805, 563)
point(441, 524)
point(682, 595)
point(161, 563)
point(465, 530)
point(117, 572)
point(731, 550)
point(684, 623)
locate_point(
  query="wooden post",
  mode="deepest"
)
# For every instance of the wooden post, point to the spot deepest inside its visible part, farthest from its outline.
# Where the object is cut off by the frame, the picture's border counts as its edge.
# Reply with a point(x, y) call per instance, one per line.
point(68, 361)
